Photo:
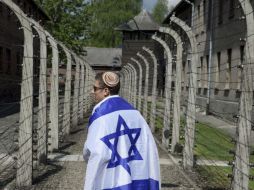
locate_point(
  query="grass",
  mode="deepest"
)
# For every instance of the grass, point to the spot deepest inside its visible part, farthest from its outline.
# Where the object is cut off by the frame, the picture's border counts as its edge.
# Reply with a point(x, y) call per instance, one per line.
point(211, 144)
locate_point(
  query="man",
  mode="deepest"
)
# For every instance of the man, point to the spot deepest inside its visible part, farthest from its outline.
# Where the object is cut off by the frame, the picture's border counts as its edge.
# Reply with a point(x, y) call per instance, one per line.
point(120, 148)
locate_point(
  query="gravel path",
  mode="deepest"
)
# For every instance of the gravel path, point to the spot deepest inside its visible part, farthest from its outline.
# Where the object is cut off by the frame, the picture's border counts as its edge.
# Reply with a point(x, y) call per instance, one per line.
point(67, 169)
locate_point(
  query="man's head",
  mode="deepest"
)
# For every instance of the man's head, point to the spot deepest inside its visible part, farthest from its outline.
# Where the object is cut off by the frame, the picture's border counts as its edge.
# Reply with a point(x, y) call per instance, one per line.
point(106, 84)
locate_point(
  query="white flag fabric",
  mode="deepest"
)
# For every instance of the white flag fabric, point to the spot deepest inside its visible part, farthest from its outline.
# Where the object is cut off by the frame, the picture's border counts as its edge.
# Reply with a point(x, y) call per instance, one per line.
point(120, 149)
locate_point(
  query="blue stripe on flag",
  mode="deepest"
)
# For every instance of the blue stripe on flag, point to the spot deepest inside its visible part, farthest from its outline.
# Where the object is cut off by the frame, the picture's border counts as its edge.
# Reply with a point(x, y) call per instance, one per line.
point(148, 184)
point(109, 106)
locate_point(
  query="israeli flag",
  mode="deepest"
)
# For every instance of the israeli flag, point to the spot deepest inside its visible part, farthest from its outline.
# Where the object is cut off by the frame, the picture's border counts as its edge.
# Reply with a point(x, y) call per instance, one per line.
point(120, 149)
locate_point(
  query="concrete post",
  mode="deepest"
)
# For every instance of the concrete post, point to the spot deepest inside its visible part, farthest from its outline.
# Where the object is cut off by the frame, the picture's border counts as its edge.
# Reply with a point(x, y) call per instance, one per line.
point(81, 94)
point(67, 94)
point(24, 162)
point(75, 101)
point(241, 168)
point(134, 84)
point(146, 86)
point(42, 109)
point(191, 110)
point(139, 83)
point(178, 87)
point(154, 94)
point(168, 82)
point(54, 97)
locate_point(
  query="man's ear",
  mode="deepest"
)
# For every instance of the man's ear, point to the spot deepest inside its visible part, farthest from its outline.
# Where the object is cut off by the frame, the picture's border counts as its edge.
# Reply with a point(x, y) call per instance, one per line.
point(106, 92)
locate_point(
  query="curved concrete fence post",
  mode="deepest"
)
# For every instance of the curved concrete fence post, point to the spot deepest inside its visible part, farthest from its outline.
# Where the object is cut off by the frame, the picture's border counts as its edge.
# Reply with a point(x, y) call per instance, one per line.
point(54, 96)
point(24, 158)
point(146, 86)
point(81, 93)
point(132, 77)
point(42, 109)
point(67, 93)
point(178, 87)
point(139, 83)
point(124, 88)
point(154, 94)
point(128, 82)
point(134, 84)
point(86, 91)
point(168, 83)
point(241, 169)
point(75, 100)
point(191, 110)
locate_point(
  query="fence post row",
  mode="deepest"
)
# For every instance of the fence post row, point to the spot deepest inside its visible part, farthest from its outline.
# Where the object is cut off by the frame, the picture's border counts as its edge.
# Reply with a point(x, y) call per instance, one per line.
point(154, 94)
point(190, 113)
point(145, 93)
point(134, 84)
point(139, 83)
point(168, 82)
point(24, 156)
point(177, 94)
point(241, 167)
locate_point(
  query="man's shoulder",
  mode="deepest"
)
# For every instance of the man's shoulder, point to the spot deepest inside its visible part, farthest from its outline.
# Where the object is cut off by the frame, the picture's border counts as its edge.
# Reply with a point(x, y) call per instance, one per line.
point(109, 106)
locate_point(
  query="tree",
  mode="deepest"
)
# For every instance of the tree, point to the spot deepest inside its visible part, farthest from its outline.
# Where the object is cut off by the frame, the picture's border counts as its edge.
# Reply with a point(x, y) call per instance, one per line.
point(160, 10)
point(108, 14)
point(70, 22)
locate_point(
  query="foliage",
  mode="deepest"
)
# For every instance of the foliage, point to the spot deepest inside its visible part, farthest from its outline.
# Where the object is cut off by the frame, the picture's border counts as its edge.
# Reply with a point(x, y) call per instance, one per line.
point(70, 21)
point(107, 15)
point(160, 10)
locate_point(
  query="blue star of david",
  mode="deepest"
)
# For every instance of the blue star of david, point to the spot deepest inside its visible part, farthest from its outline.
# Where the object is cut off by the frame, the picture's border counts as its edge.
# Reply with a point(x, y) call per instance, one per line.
point(133, 153)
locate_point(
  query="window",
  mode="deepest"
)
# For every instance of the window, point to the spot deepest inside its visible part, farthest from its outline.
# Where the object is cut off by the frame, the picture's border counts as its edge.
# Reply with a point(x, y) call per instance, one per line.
point(240, 69)
point(218, 69)
point(200, 73)
point(228, 74)
point(1, 9)
point(8, 60)
point(220, 13)
point(1, 58)
point(209, 14)
point(18, 64)
point(231, 9)
point(204, 11)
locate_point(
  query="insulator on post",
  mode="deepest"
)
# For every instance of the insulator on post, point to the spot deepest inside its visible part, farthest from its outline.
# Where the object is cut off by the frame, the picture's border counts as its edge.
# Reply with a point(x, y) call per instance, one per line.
point(230, 176)
point(231, 163)
point(251, 165)
point(240, 66)
point(231, 152)
point(251, 177)
point(252, 127)
point(236, 116)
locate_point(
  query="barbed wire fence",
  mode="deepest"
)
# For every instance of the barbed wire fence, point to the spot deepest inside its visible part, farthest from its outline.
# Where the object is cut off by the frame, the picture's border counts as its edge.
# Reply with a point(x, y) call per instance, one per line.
point(180, 131)
point(55, 87)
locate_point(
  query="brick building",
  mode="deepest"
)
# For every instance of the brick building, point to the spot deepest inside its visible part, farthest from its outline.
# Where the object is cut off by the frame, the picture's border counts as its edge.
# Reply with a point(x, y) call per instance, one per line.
point(11, 47)
point(220, 31)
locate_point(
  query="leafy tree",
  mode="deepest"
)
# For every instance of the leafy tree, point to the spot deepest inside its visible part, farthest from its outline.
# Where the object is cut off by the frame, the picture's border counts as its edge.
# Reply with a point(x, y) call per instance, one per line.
point(108, 14)
point(160, 10)
point(70, 21)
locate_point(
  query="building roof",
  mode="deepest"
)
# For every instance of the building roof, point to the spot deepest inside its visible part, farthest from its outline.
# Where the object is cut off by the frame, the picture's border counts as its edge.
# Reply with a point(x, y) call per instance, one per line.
point(109, 57)
point(180, 6)
point(143, 21)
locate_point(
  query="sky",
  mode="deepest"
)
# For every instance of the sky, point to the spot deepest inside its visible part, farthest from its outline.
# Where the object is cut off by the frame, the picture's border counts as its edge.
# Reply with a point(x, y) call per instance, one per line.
point(149, 4)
